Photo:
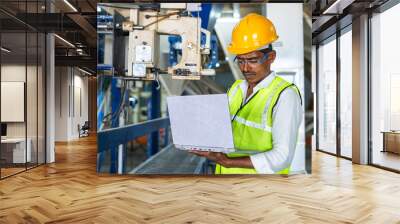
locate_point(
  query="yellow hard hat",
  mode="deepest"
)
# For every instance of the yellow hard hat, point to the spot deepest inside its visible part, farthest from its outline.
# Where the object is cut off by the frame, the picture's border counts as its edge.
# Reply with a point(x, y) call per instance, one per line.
point(251, 33)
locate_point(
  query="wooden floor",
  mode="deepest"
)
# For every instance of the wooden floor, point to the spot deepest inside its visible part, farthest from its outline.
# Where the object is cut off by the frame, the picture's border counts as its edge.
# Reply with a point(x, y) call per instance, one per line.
point(70, 191)
point(11, 170)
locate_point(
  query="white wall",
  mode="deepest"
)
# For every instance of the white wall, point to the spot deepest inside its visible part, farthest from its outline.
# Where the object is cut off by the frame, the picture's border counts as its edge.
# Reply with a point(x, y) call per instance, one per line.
point(290, 45)
point(290, 59)
point(80, 110)
point(33, 126)
point(71, 102)
point(16, 73)
point(61, 103)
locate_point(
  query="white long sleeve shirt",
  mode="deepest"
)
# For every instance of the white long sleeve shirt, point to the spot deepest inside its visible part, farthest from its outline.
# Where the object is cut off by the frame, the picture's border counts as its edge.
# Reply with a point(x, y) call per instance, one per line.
point(286, 119)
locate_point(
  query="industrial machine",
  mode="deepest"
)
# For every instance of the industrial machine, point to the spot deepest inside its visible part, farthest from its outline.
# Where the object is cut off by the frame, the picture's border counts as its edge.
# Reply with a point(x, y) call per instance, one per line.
point(145, 24)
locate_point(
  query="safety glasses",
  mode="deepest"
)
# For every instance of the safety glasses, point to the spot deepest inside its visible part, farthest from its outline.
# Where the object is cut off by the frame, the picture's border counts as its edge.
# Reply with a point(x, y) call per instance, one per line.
point(252, 61)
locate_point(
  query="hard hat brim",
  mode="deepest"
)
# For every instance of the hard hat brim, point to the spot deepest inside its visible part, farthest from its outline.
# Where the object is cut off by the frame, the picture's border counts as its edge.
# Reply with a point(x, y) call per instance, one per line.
point(244, 50)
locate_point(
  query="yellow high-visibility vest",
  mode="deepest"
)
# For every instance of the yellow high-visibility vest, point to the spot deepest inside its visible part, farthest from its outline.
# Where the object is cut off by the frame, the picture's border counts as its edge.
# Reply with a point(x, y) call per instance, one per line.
point(252, 121)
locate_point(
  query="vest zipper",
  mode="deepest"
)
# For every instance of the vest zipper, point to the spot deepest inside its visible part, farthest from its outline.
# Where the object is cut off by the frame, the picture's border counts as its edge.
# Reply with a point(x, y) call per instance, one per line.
point(241, 107)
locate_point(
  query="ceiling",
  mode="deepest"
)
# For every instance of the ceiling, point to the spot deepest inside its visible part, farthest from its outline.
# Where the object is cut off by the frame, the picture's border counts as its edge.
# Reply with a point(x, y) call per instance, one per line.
point(329, 16)
point(73, 20)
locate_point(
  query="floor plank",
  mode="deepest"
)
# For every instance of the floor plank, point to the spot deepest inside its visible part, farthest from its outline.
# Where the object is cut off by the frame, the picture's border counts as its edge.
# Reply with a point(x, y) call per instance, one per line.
point(70, 191)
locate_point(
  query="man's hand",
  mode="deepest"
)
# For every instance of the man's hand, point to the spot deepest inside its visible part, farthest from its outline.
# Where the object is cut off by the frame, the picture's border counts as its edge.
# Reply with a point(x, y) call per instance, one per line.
point(217, 157)
point(222, 159)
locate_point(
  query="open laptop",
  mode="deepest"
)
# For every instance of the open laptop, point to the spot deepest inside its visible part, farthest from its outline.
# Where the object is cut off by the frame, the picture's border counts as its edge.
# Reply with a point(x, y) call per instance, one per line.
point(202, 122)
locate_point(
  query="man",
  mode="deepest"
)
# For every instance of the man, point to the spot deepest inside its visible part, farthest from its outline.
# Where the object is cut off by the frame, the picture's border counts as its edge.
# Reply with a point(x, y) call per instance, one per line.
point(265, 109)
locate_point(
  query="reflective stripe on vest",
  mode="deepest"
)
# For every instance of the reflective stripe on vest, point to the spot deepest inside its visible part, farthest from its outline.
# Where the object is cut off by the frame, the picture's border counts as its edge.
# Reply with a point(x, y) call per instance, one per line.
point(263, 126)
point(252, 124)
point(252, 121)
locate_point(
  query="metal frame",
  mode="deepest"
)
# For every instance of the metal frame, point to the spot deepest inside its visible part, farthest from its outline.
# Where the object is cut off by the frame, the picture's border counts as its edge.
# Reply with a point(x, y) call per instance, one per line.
point(154, 111)
point(113, 137)
point(26, 89)
point(338, 98)
point(369, 78)
point(387, 5)
point(115, 108)
point(316, 97)
point(37, 92)
point(45, 89)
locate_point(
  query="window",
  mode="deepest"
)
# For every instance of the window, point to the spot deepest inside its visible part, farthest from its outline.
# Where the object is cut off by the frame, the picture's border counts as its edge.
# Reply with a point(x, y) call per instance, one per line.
point(327, 96)
point(346, 94)
point(385, 89)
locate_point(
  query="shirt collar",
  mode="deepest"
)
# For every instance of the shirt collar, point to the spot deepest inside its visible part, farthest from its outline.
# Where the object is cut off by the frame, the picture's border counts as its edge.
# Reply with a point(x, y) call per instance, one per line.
point(265, 82)
point(262, 84)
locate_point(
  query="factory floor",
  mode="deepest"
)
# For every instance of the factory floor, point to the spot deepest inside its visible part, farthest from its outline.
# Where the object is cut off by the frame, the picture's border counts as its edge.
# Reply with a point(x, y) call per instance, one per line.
point(70, 191)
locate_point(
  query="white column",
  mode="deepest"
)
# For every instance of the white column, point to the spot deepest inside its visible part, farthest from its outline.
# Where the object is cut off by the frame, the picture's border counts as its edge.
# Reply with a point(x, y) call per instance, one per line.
point(360, 90)
point(50, 101)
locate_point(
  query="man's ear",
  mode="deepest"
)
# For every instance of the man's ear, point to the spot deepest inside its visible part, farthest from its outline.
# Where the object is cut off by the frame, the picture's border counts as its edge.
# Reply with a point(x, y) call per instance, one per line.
point(271, 57)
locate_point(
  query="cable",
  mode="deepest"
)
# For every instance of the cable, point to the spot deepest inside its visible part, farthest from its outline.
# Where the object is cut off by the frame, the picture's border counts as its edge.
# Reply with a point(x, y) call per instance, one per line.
point(168, 14)
point(163, 18)
point(122, 102)
point(116, 6)
point(120, 107)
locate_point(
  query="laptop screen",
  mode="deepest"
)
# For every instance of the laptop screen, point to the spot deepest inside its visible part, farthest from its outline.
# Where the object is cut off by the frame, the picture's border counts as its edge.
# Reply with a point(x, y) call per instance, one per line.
point(201, 121)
